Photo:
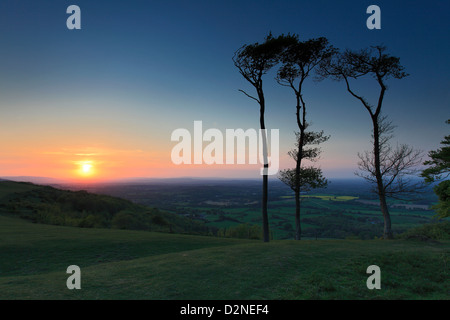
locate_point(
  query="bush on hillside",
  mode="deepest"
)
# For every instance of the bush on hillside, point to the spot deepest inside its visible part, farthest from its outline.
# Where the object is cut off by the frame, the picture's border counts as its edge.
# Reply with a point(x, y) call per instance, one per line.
point(242, 231)
point(429, 231)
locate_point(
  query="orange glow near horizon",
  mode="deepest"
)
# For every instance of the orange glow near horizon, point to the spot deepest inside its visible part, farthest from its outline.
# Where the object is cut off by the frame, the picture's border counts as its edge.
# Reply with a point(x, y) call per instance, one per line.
point(97, 164)
point(105, 144)
point(87, 164)
point(114, 161)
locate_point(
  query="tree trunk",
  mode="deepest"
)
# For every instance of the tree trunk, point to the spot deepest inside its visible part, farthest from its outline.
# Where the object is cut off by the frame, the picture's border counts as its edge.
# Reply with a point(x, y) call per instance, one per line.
point(265, 217)
point(387, 234)
point(380, 185)
point(298, 227)
point(301, 127)
point(264, 209)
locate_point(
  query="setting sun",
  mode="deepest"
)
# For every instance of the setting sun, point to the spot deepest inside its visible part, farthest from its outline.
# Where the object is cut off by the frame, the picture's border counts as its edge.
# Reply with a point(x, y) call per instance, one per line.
point(86, 168)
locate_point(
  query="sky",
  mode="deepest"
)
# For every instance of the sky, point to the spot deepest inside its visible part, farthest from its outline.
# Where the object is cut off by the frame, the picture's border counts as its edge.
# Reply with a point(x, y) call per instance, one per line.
point(102, 102)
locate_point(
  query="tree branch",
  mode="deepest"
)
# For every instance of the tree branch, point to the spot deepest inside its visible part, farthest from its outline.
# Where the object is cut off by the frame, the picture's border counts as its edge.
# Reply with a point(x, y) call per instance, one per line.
point(249, 95)
point(364, 102)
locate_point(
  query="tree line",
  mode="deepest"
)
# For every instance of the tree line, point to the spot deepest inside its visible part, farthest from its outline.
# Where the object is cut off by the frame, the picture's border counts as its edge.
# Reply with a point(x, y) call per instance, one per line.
point(390, 169)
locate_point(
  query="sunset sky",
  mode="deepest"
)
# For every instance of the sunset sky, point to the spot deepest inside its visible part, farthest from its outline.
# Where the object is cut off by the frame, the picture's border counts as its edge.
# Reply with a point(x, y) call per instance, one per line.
point(102, 102)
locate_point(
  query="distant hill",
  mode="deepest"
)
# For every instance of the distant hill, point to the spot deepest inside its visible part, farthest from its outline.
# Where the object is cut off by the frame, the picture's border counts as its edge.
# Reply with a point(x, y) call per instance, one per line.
point(38, 180)
point(49, 205)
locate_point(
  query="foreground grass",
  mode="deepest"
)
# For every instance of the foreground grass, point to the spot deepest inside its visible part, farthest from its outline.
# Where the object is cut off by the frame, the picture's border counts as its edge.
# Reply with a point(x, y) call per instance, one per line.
point(142, 265)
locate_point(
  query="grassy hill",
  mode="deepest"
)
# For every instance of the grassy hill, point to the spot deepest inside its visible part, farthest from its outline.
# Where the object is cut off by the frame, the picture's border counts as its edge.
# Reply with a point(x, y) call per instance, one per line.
point(123, 264)
point(45, 204)
point(44, 230)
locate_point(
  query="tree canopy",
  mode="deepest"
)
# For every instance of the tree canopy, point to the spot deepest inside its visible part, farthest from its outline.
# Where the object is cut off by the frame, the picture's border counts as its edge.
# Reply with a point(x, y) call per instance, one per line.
point(439, 170)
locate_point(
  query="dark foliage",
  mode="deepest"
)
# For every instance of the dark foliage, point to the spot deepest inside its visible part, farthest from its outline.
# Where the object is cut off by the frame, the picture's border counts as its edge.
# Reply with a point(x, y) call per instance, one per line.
point(87, 210)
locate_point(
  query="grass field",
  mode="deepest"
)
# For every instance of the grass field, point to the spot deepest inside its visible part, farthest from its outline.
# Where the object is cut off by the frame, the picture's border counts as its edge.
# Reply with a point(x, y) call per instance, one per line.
point(119, 264)
point(324, 197)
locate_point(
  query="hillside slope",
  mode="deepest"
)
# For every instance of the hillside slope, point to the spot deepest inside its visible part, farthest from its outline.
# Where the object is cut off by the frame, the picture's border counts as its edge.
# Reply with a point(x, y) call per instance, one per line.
point(45, 204)
point(121, 264)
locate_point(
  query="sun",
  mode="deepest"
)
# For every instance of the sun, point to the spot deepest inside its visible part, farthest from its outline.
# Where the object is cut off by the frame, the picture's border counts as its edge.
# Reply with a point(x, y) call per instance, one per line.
point(85, 168)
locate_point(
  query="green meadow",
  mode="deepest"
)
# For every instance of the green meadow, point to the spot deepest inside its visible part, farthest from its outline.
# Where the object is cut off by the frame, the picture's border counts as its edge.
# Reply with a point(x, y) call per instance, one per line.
point(124, 264)
point(323, 216)
point(324, 197)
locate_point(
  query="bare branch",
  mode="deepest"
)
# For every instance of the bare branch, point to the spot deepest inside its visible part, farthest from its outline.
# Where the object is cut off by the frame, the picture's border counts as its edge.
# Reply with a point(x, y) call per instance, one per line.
point(398, 166)
point(249, 95)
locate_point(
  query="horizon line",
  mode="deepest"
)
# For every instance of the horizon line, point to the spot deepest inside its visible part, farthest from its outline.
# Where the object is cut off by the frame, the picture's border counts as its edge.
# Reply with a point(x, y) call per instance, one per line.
point(50, 180)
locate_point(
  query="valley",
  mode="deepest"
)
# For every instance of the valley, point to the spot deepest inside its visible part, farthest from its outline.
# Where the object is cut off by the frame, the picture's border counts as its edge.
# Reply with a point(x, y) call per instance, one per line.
point(346, 209)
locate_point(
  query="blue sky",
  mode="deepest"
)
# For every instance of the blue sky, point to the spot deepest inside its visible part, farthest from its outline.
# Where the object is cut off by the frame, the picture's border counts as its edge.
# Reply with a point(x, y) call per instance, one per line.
point(137, 70)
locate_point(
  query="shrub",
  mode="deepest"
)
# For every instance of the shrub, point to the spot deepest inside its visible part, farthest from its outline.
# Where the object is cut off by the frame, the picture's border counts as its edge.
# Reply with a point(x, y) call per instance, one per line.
point(429, 231)
point(90, 221)
point(127, 220)
point(242, 231)
point(159, 221)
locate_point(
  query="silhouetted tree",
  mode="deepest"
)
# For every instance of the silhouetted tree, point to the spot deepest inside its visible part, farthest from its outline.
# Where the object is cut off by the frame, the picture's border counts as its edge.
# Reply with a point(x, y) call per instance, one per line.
point(300, 60)
point(399, 166)
point(440, 170)
point(376, 63)
point(304, 178)
point(253, 61)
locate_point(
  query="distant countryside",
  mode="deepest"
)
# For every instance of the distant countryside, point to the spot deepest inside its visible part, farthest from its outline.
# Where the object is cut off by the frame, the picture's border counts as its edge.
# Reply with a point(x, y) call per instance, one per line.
point(346, 209)
point(170, 241)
